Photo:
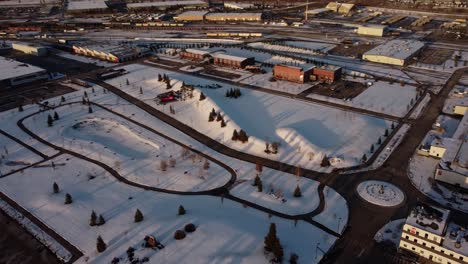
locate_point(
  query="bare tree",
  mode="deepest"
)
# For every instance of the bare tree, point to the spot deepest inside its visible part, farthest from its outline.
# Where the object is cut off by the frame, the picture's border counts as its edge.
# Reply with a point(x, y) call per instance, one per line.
point(206, 165)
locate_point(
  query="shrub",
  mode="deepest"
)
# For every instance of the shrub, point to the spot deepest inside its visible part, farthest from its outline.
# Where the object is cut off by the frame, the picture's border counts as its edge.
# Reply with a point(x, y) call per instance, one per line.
point(55, 188)
point(181, 210)
point(100, 245)
point(138, 216)
point(68, 199)
point(297, 192)
point(189, 228)
point(179, 235)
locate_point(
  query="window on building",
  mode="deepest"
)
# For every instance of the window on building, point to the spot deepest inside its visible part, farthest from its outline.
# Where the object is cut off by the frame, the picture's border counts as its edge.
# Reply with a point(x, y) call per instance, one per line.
point(404, 245)
point(424, 243)
point(451, 254)
point(407, 237)
point(413, 248)
point(417, 233)
point(425, 235)
point(461, 258)
point(422, 251)
point(432, 247)
point(442, 251)
point(415, 240)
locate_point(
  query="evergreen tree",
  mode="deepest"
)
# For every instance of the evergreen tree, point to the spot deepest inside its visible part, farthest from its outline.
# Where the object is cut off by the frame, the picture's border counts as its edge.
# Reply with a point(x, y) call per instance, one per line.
point(235, 136)
point(141, 90)
point(256, 180)
point(68, 199)
point(243, 136)
point(392, 126)
point(127, 82)
point(379, 141)
point(372, 148)
point(62, 99)
point(83, 101)
point(100, 245)
point(228, 94)
point(50, 120)
point(386, 133)
point(159, 77)
point(297, 192)
point(168, 85)
point(202, 96)
point(219, 117)
point(20, 108)
point(211, 117)
point(85, 94)
point(260, 185)
point(181, 210)
point(101, 220)
point(325, 161)
point(92, 219)
point(270, 238)
point(90, 110)
point(138, 216)
point(56, 116)
point(223, 124)
point(278, 251)
point(364, 158)
point(55, 188)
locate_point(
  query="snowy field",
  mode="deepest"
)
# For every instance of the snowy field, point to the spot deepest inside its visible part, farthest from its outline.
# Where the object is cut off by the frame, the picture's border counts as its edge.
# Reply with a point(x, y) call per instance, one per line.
point(421, 174)
point(381, 96)
point(335, 214)
point(135, 153)
point(14, 156)
point(305, 131)
point(226, 231)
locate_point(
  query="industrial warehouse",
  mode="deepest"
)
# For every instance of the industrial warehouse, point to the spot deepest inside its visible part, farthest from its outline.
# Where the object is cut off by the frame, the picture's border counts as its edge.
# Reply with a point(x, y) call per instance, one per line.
point(292, 73)
point(395, 52)
point(14, 73)
point(193, 54)
point(232, 61)
point(112, 53)
point(372, 30)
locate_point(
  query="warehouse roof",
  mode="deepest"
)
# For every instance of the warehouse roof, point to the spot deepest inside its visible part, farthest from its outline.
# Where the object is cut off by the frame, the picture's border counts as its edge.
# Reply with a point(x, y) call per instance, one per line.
point(235, 15)
point(193, 13)
point(318, 11)
point(399, 49)
point(228, 57)
point(429, 218)
point(11, 69)
point(168, 3)
point(195, 51)
point(373, 26)
point(86, 5)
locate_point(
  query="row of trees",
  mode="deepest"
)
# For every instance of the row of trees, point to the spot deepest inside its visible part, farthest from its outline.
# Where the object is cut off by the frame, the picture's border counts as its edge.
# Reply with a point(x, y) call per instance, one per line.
point(216, 116)
point(241, 136)
point(233, 93)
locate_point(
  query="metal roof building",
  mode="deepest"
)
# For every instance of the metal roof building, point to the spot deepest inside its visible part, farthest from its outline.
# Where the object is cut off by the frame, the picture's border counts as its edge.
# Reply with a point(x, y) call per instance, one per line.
point(233, 17)
point(395, 52)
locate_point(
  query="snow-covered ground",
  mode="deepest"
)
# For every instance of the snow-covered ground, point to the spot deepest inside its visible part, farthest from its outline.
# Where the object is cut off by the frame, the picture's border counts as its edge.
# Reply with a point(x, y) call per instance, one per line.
point(14, 156)
point(421, 174)
point(304, 130)
point(135, 153)
point(226, 231)
point(380, 193)
point(381, 96)
point(390, 232)
point(335, 213)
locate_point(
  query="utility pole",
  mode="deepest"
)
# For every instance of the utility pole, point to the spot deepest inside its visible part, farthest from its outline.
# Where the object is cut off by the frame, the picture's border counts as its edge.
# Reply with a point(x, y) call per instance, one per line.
point(307, 10)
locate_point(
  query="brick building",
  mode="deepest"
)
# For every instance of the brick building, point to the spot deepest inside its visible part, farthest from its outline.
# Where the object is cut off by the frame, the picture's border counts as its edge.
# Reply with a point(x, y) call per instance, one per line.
point(193, 54)
point(291, 73)
point(232, 61)
point(328, 73)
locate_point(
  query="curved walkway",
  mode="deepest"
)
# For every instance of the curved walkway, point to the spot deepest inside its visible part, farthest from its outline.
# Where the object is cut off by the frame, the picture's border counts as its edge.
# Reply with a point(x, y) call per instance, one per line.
point(220, 191)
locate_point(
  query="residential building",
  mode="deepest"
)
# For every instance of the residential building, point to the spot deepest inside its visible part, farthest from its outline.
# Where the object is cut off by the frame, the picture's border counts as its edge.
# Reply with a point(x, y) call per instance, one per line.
point(328, 73)
point(232, 61)
point(429, 233)
point(291, 73)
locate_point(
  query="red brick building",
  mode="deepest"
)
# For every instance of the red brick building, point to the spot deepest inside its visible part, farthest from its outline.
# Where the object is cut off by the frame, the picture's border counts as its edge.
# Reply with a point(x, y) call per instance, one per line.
point(291, 73)
point(193, 54)
point(232, 61)
point(328, 73)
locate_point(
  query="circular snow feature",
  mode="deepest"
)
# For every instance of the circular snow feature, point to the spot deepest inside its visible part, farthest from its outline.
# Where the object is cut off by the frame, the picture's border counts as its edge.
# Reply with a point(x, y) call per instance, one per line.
point(380, 193)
